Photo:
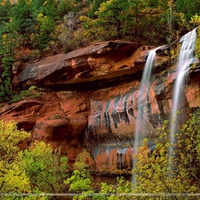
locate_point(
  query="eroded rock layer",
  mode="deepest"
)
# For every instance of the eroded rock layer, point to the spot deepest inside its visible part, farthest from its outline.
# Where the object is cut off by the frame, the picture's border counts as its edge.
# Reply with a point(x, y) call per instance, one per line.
point(90, 99)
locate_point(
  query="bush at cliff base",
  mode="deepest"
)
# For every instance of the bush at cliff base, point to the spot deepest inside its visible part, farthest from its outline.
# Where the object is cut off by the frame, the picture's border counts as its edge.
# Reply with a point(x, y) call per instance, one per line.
point(30, 173)
point(154, 175)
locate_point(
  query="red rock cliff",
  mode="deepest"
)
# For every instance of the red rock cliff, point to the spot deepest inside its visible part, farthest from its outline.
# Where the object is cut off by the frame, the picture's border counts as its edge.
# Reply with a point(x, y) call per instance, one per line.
point(90, 97)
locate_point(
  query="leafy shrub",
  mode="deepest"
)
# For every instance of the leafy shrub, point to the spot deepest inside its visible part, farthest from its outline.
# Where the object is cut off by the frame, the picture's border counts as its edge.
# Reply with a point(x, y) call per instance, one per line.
point(175, 173)
point(33, 92)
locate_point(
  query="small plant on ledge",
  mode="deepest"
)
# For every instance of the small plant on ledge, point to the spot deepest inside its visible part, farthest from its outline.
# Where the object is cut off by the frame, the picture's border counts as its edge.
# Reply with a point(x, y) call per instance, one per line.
point(33, 92)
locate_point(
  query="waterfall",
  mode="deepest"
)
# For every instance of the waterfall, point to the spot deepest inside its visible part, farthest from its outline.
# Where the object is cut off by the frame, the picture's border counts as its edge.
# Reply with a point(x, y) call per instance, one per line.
point(141, 112)
point(186, 57)
point(142, 97)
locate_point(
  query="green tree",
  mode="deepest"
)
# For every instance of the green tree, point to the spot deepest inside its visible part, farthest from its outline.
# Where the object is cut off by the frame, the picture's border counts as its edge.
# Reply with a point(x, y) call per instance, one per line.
point(6, 84)
point(12, 178)
point(43, 35)
point(10, 137)
point(65, 6)
point(109, 21)
point(112, 13)
point(170, 16)
point(81, 161)
point(154, 173)
point(119, 19)
point(22, 17)
point(189, 8)
point(8, 40)
point(5, 7)
point(80, 181)
point(35, 170)
point(46, 21)
point(45, 167)
point(37, 5)
point(195, 20)
point(95, 6)
point(120, 191)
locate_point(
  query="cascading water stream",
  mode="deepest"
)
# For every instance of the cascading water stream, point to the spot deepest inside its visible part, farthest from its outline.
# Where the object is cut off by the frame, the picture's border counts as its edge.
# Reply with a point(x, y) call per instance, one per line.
point(142, 96)
point(186, 57)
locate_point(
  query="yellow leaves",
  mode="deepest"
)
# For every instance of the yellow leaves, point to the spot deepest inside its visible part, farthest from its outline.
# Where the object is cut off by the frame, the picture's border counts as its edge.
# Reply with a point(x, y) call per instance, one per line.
point(44, 3)
point(82, 160)
point(3, 3)
point(156, 174)
point(15, 181)
point(40, 17)
point(28, 2)
point(182, 19)
point(197, 45)
point(4, 36)
point(12, 178)
point(195, 20)
point(10, 138)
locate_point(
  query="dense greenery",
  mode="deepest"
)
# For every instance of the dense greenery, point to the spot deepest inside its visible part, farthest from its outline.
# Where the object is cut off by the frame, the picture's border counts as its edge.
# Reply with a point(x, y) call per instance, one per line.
point(175, 173)
point(35, 170)
point(40, 169)
point(33, 28)
point(30, 29)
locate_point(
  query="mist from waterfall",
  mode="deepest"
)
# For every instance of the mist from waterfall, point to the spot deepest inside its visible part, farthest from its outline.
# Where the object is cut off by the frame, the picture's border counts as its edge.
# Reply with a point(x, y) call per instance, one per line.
point(141, 107)
point(185, 59)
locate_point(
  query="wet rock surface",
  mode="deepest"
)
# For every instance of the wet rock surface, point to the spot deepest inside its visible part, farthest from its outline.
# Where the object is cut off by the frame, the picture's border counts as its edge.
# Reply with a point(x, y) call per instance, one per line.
point(91, 101)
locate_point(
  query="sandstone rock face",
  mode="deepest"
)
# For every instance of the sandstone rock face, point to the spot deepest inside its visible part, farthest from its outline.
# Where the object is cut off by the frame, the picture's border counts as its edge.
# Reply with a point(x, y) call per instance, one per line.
point(101, 61)
point(91, 101)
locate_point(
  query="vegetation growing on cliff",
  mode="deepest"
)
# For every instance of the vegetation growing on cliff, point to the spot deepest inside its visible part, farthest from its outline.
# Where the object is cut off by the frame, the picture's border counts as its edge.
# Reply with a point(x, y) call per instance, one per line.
point(30, 29)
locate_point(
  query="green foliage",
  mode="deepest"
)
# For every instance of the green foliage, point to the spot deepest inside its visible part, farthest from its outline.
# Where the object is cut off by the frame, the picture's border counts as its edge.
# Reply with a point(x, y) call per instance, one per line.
point(10, 138)
point(170, 18)
point(12, 178)
point(32, 93)
point(197, 45)
point(80, 183)
point(4, 12)
point(65, 6)
point(120, 191)
point(195, 20)
point(189, 8)
point(120, 19)
point(45, 168)
point(33, 24)
point(112, 13)
point(133, 20)
point(154, 173)
point(110, 16)
point(81, 161)
point(23, 20)
point(37, 169)
point(95, 6)
point(6, 85)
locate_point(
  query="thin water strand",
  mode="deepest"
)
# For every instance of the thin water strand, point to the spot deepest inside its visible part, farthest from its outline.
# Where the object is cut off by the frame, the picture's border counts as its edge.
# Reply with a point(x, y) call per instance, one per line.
point(185, 59)
point(142, 96)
